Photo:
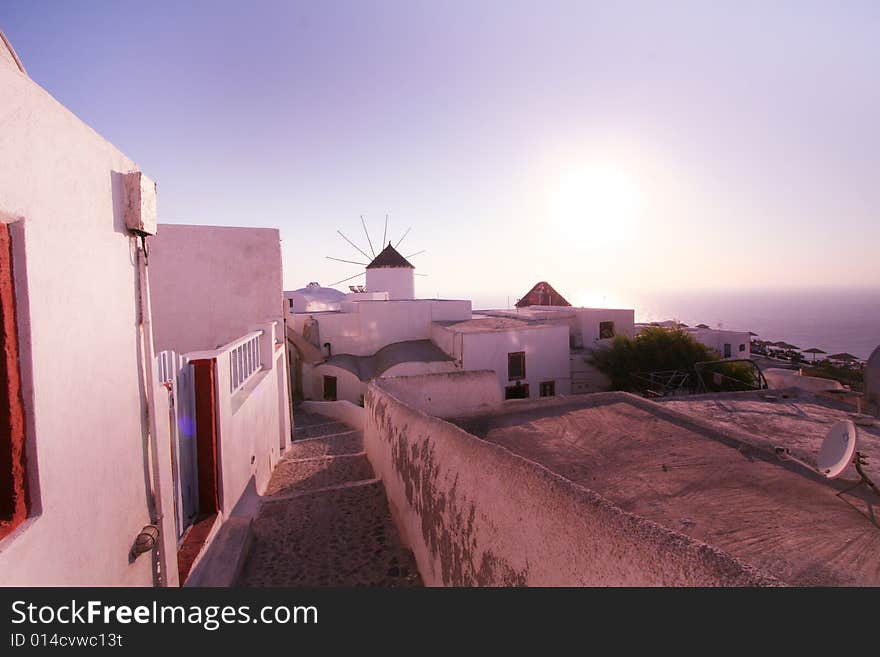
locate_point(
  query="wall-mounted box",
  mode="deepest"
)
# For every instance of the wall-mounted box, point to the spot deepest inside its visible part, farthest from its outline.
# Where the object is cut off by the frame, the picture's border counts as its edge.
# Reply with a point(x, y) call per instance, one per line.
point(141, 215)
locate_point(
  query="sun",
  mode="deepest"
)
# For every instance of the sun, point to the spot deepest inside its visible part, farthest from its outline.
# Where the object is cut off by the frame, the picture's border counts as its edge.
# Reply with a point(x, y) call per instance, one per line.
point(599, 203)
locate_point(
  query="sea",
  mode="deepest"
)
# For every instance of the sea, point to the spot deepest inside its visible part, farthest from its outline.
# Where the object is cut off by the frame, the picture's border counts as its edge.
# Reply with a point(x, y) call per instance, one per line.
point(832, 319)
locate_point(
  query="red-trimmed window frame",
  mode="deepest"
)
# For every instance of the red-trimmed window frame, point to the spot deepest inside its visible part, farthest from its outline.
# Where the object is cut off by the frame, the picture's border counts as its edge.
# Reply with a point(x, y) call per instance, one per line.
point(14, 498)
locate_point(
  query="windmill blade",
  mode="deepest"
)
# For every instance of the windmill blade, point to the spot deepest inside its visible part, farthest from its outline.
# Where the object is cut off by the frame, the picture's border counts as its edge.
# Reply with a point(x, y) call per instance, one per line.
point(354, 245)
point(425, 275)
point(367, 233)
point(404, 235)
point(347, 279)
point(385, 233)
point(416, 253)
point(351, 262)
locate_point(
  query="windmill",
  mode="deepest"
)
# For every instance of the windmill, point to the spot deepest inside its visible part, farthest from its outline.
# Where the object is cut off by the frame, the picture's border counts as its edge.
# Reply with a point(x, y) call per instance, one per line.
point(388, 258)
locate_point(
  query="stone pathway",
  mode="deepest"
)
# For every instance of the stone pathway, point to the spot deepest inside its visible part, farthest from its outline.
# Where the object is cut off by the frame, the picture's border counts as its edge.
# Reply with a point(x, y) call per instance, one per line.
point(324, 520)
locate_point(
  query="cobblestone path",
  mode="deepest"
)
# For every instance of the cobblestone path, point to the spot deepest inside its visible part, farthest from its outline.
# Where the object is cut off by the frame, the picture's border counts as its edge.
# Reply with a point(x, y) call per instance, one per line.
point(325, 520)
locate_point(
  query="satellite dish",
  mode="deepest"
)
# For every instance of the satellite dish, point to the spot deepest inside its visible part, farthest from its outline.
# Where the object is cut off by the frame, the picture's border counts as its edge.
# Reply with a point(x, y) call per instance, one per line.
point(837, 449)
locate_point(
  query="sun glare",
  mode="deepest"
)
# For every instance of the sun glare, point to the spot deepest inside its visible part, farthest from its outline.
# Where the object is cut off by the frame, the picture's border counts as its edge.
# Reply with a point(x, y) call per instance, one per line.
point(600, 203)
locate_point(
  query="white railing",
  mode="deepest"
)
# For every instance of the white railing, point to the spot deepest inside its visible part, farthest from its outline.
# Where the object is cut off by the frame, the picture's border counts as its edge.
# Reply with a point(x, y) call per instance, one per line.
point(244, 360)
point(167, 365)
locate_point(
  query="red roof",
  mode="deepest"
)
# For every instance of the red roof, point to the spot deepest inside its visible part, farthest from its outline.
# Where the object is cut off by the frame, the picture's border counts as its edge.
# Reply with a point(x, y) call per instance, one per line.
point(542, 294)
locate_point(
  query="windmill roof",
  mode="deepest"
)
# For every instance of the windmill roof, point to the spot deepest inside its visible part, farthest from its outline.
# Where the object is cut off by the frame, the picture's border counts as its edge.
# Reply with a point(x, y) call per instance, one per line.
point(389, 258)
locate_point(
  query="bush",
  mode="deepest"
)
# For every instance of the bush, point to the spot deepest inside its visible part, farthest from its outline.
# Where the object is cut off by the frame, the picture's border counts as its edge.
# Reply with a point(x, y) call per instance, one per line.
point(654, 349)
point(853, 378)
point(735, 373)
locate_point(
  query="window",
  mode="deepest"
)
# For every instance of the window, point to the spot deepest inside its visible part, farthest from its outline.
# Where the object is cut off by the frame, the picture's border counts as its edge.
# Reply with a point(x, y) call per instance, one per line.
point(329, 388)
point(518, 391)
point(727, 350)
point(13, 478)
point(548, 388)
point(290, 303)
point(516, 365)
point(742, 347)
point(606, 330)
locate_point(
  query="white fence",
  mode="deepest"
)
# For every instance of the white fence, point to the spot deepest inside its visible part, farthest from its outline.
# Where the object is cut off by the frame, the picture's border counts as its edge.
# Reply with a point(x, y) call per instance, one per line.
point(175, 372)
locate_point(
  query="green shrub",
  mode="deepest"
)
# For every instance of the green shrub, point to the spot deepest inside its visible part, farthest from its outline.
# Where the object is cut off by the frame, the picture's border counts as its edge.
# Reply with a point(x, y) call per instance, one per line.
point(654, 349)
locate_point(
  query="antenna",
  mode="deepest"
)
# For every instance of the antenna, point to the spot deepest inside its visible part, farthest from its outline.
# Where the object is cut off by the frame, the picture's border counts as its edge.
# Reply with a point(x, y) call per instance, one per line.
point(837, 449)
point(367, 233)
point(835, 453)
point(404, 235)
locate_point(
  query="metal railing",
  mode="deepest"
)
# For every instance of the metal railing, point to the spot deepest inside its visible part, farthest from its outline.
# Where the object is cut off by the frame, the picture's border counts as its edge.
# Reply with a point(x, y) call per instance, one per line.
point(244, 360)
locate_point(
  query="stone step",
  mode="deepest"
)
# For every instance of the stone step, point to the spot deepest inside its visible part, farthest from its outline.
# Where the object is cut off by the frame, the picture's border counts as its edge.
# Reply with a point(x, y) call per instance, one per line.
point(316, 430)
point(339, 537)
point(304, 419)
point(349, 442)
point(291, 476)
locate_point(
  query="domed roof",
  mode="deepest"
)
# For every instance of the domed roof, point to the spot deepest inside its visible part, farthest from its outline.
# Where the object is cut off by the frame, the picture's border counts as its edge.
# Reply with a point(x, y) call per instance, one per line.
point(314, 298)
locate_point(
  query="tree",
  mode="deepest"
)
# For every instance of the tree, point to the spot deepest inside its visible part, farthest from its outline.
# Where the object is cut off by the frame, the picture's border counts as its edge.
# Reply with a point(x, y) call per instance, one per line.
point(654, 349)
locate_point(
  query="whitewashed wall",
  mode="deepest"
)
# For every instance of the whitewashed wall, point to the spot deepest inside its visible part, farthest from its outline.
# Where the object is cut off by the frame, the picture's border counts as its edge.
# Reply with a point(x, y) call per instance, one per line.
point(716, 338)
point(398, 282)
point(546, 349)
point(375, 324)
point(211, 284)
point(61, 188)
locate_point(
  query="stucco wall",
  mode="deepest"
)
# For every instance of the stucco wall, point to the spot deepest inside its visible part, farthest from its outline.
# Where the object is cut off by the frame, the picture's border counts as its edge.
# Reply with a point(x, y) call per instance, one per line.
point(778, 378)
point(476, 514)
point(251, 428)
point(398, 282)
point(348, 385)
point(546, 349)
point(447, 395)
point(588, 320)
point(61, 185)
point(716, 338)
point(211, 284)
point(350, 388)
point(371, 325)
point(344, 411)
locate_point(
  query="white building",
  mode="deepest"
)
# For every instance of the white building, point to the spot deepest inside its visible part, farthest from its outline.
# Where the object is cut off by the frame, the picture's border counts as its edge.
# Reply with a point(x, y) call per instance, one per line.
point(530, 358)
point(727, 344)
point(588, 329)
point(218, 322)
point(344, 341)
point(96, 425)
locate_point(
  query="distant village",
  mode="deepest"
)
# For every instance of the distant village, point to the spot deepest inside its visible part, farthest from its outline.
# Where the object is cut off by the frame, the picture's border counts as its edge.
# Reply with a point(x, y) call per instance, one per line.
point(201, 426)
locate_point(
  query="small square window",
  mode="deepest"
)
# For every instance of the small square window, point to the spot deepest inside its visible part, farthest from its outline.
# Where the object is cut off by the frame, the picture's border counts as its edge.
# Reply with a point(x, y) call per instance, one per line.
point(742, 347)
point(606, 330)
point(548, 388)
point(516, 365)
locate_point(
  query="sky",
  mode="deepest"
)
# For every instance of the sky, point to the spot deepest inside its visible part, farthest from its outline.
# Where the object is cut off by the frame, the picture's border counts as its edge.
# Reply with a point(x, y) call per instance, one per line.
point(598, 146)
